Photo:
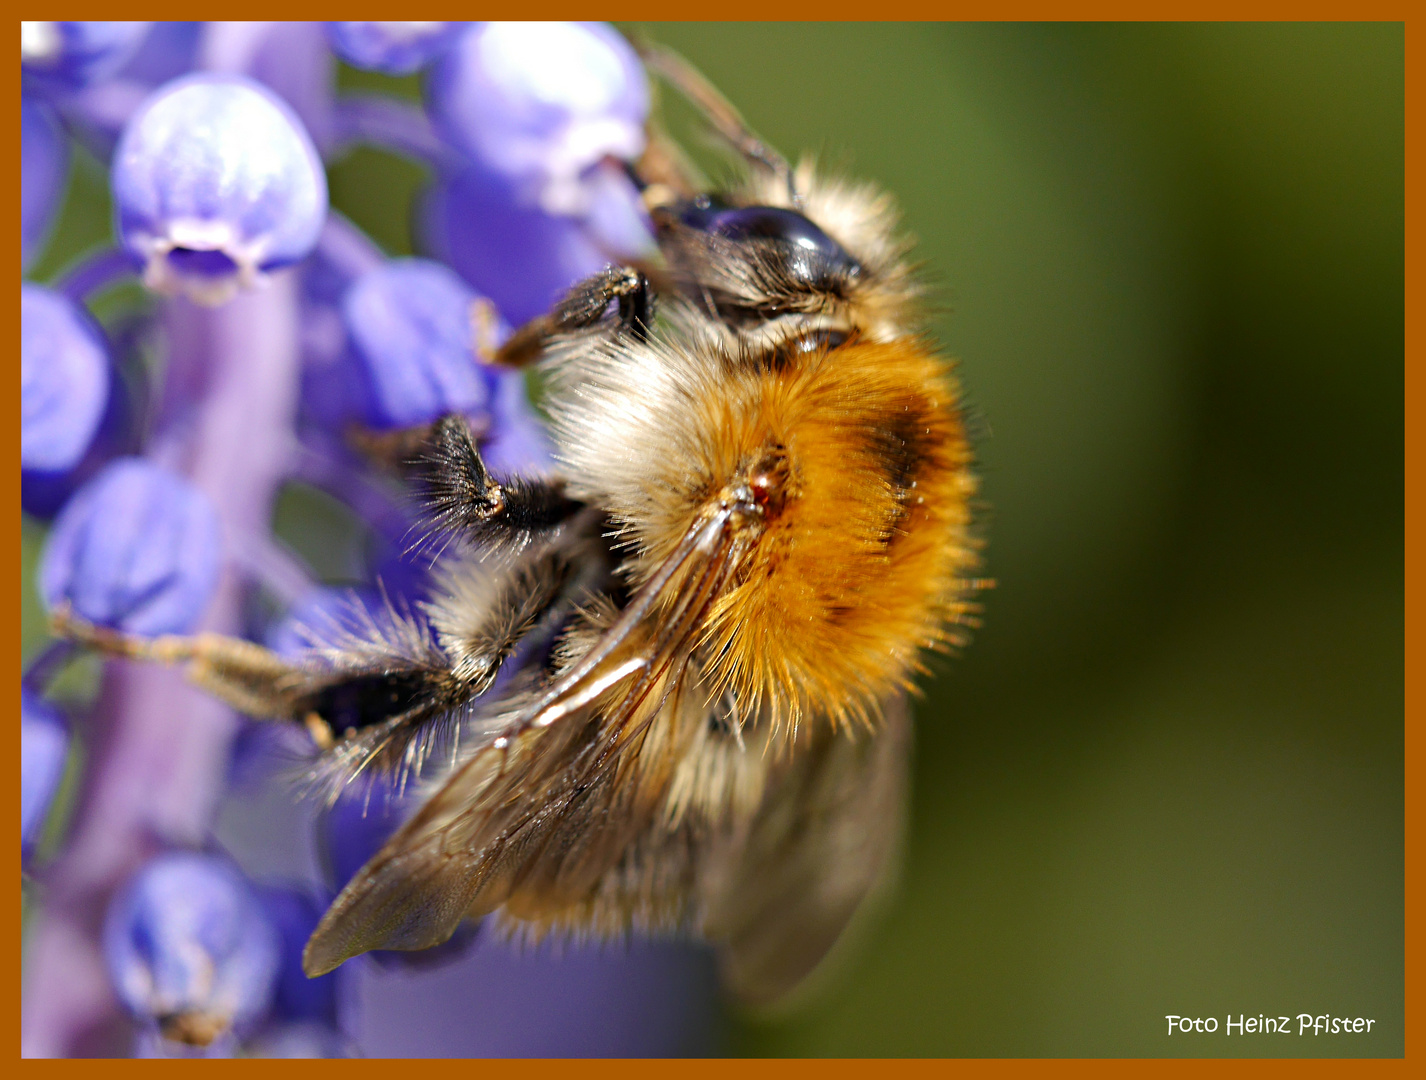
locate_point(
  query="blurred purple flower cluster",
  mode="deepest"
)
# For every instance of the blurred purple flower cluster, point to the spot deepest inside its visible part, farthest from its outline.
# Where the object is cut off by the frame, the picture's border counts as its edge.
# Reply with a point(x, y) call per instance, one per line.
point(278, 328)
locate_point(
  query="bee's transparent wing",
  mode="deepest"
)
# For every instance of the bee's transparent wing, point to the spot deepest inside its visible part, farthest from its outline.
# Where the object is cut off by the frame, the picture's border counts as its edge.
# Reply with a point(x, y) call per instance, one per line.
point(778, 895)
point(487, 828)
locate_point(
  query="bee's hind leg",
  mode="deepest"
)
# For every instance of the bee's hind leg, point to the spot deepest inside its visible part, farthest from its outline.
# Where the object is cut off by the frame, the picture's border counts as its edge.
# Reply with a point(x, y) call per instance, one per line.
point(251, 679)
point(583, 306)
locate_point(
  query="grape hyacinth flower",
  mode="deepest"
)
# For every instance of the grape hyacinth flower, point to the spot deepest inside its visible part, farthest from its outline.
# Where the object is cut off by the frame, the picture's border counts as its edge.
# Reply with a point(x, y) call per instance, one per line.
point(64, 380)
point(393, 48)
point(188, 448)
point(44, 160)
point(137, 549)
point(65, 384)
point(542, 115)
point(216, 184)
point(293, 912)
point(190, 949)
point(74, 54)
point(518, 255)
point(540, 103)
point(410, 329)
point(44, 745)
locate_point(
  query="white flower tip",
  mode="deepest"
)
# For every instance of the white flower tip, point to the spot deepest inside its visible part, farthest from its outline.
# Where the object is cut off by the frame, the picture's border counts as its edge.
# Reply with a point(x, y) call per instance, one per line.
point(39, 41)
point(202, 261)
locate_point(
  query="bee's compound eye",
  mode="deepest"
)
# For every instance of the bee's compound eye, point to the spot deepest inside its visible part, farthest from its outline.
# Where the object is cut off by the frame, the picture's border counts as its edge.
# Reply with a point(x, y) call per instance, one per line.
point(812, 254)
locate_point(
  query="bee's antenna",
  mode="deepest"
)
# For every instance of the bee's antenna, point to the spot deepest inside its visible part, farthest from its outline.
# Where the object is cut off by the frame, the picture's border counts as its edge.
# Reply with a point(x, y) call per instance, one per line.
point(717, 109)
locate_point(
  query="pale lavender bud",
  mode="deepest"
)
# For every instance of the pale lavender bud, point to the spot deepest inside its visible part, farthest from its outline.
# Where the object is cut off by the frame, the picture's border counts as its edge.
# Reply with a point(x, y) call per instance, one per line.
point(61, 55)
point(44, 166)
point(44, 746)
point(64, 381)
point(409, 326)
point(524, 259)
point(215, 183)
point(190, 949)
point(540, 103)
point(137, 548)
point(393, 48)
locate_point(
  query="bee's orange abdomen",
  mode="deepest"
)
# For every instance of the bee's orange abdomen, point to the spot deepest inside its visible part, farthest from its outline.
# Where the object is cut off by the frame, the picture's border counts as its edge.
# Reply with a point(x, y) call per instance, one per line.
point(864, 563)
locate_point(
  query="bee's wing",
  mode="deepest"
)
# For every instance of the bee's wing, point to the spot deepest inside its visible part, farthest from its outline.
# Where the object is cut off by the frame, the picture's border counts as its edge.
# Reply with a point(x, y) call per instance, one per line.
point(472, 841)
point(779, 894)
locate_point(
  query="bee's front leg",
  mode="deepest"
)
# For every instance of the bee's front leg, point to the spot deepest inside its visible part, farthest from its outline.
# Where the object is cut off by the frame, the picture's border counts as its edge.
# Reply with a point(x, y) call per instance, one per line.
point(583, 306)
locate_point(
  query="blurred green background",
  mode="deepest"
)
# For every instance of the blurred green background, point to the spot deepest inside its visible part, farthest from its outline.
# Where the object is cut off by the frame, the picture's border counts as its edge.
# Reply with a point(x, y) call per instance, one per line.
point(1167, 776)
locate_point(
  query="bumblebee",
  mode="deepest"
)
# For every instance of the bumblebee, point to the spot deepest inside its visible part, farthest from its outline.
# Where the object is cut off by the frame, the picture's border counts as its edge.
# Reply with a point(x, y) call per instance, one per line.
point(704, 628)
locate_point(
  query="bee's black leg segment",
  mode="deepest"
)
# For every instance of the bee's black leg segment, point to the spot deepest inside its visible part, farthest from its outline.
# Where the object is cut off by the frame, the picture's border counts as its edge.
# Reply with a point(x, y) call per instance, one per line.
point(583, 307)
point(636, 308)
point(585, 303)
point(465, 496)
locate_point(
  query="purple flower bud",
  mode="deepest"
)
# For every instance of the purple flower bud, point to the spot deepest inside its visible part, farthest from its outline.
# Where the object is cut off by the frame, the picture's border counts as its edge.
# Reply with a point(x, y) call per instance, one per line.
point(522, 258)
point(409, 325)
point(136, 548)
point(539, 103)
point(44, 746)
point(64, 381)
point(616, 220)
point(44, 166)
point(295, 914)
point(216, 182)
point(395, 48)
point(58, 55)
point(189, 947)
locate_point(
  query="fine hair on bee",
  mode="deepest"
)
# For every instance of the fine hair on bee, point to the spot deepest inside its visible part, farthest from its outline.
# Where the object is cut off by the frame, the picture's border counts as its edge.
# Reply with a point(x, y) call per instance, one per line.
point(664, 688)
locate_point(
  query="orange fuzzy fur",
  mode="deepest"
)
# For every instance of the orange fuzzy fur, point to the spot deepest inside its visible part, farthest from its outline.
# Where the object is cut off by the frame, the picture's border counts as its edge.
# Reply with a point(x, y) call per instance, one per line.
point(827, 616)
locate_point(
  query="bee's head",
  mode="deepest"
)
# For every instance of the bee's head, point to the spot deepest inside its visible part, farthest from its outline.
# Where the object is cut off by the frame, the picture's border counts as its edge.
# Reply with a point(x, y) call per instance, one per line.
point(755, 263)
point(807, 253)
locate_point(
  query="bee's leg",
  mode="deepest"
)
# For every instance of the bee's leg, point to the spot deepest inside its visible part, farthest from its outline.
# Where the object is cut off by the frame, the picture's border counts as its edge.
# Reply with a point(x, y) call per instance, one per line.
point(248, 677)
point(465, 496)
point(399, 450)
point(582, 308)
point(260, 683)
point(718, 111)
